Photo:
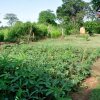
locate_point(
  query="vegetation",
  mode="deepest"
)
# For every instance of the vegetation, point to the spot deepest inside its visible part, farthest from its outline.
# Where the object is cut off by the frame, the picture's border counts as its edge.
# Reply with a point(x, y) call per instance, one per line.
point(96, 4)
point(95, 93)
point(43, 70)
point(71, 14)
point(53, 68)
point(47, 17)
point(33, 31)
point(92, 27)
point(12, 18)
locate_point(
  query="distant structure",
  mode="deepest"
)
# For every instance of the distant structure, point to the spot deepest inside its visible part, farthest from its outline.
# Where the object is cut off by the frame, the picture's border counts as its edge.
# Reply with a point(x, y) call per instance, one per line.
point(82, 30)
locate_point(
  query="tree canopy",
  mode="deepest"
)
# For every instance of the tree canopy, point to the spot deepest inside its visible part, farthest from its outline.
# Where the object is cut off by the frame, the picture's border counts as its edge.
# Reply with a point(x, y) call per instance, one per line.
point(96, 4)
point(12, 18)
point(72, 10)
point(47, 17)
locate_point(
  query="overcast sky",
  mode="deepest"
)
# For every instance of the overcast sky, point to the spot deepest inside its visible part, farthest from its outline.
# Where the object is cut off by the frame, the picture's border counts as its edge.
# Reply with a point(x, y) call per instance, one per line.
point(27, 10)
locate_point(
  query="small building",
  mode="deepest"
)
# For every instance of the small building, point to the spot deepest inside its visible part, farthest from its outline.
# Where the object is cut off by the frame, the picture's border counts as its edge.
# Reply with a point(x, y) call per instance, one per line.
point(82, 30)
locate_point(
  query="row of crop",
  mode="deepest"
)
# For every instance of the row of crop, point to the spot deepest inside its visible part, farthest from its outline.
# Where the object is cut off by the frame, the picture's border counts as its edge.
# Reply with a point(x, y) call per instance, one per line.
point(28, 31)
point(43, 72)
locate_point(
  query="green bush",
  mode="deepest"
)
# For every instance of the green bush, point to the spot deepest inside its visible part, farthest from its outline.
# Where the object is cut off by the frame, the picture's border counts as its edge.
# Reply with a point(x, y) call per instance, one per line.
point(92, 27)
point(42, 72)
point(4, 32)
point(18, 30)
point(70, 28)
point(15, 32)
point(40, 30)
point(54, 32)
point(74, 31)
point(22, 29)
point(1, 37)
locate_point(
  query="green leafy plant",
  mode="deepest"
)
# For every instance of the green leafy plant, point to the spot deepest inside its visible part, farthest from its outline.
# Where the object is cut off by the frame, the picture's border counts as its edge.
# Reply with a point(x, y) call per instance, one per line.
point(42, 72)
point(1, 37)
point(92, 27)
point(54, 32)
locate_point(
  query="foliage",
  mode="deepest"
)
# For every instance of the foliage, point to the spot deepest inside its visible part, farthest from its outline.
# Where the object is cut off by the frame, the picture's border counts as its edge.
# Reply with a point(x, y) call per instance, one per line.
point(71, 14)
point(12, 18)
point(85, 36)
point(21, 30)
point(4, 33)
point(71, 29)
point(47, 17)
point(40, 31)
point(95, 94)
point(43, 72)
point(1, 36)
point(74, 31)
point(96, 4)
point(54, 31)
point(15, 32)
point(72, 10)
point(92, 27)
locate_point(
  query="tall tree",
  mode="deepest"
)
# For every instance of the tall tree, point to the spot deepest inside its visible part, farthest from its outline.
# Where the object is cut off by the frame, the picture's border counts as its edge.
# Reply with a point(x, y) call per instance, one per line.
point(72, 10)
point(96, 4)
point(47, 17)
point(12, 18)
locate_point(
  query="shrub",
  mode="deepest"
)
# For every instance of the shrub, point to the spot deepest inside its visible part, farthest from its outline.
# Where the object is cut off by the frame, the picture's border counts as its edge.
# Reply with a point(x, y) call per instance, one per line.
point(22, 29)
point(40, 30)
point(71, 28)
point(1, 37)
point(74, 31)
point(15, 32)
point(4, 33)
point(92, 27)
point(54, 32)
point(18, 30)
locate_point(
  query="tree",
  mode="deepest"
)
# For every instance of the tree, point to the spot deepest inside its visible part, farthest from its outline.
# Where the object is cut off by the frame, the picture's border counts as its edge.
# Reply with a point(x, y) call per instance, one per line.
point(12, 18)
point(72, 10)
point(47, 17)
point(96, 4)
point(0, 22)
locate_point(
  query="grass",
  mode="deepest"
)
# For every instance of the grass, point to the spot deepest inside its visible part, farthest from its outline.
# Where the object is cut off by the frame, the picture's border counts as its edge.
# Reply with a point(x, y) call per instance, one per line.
point(74, 40)
point(95, 93)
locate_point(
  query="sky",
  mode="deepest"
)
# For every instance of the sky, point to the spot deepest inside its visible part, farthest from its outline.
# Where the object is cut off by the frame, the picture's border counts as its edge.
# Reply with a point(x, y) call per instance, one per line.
point(27, 10)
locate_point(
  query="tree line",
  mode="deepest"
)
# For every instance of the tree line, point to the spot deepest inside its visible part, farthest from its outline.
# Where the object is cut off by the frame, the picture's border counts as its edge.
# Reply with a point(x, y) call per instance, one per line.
point(69, 17)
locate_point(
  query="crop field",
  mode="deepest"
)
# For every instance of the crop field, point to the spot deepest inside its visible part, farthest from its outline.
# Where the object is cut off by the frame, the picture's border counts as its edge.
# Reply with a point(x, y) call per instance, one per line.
point(46, 70)
point(50, 50)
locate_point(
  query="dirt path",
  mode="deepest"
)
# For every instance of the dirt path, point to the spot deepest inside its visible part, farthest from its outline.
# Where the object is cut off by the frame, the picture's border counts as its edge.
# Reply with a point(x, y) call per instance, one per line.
point(89, 84)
